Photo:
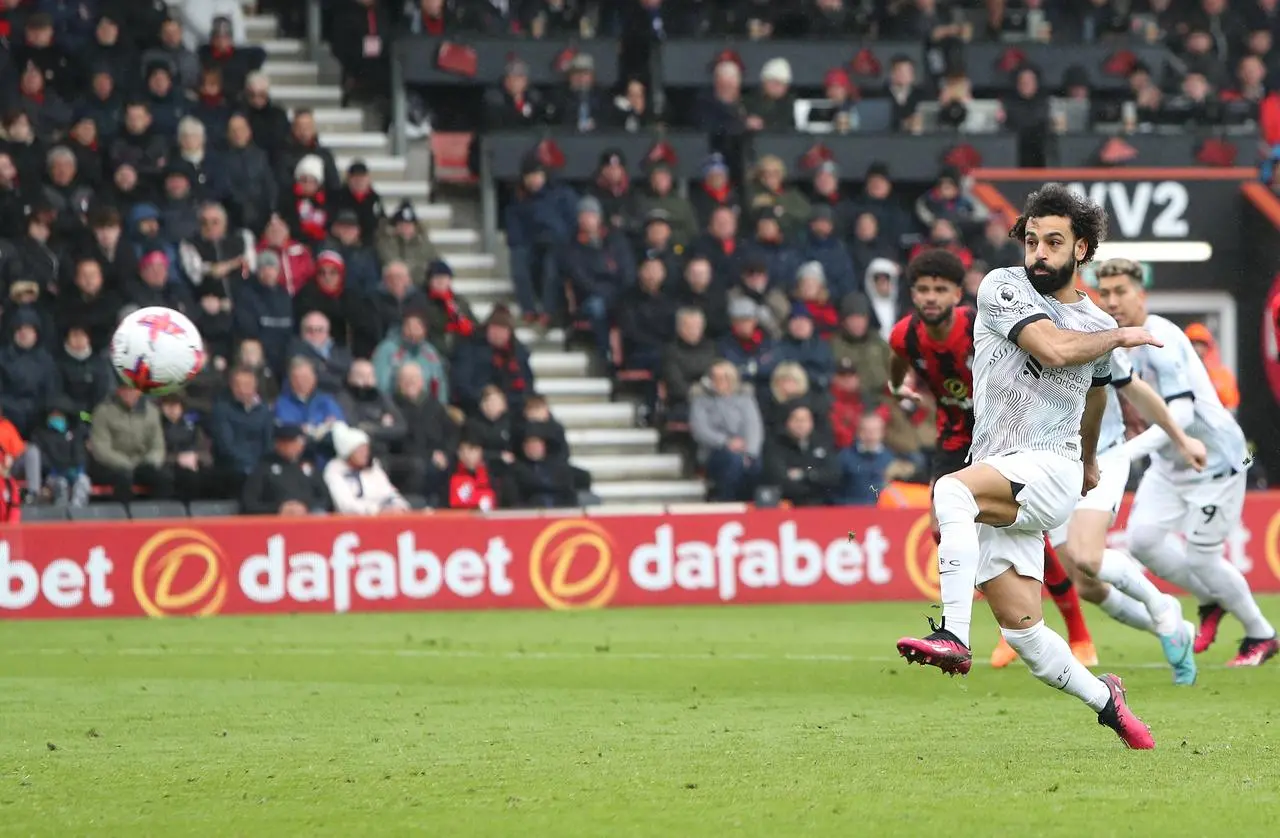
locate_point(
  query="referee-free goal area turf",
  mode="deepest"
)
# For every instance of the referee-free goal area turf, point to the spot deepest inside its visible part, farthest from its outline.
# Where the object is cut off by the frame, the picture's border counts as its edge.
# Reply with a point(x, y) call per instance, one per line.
point(745, 721)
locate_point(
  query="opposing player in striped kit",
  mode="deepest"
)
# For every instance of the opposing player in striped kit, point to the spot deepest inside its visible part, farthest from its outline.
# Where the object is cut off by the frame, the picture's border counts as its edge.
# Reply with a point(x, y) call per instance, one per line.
point(1042, 361)
point(935, 343)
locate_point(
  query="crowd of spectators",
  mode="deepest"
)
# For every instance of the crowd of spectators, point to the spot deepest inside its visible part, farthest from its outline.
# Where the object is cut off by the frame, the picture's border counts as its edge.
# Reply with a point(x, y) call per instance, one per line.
point(1224, 64)
point(758, 300)
point(343, 372)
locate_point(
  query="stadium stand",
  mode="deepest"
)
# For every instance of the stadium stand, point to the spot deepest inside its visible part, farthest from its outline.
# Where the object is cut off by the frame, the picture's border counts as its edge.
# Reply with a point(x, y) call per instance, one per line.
point(477, 233)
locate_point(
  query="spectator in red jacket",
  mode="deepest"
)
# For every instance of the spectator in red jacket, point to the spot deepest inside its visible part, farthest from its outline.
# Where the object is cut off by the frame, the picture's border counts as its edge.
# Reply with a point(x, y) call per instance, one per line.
point(470, 486)
point(297, 265)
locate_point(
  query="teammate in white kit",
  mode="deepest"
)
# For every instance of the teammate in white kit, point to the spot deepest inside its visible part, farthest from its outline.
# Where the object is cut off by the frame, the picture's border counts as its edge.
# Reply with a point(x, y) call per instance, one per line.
point(1174, 501)
point(1109, 578)
point(1042, 360)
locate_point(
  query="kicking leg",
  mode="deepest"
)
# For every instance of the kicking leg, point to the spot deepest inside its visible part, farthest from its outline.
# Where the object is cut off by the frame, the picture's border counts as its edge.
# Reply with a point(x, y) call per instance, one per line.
point(976, 494)
point(1015, 602)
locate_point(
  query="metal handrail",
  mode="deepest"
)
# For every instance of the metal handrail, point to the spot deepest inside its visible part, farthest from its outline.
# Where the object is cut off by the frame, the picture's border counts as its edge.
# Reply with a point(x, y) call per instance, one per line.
point(315, 41)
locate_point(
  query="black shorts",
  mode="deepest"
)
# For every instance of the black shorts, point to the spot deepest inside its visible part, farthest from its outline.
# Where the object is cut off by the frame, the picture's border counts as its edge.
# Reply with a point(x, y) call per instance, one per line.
point(949, 462)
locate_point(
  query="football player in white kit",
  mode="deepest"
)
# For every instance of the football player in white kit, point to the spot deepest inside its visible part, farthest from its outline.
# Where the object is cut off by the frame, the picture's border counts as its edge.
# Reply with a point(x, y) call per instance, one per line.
point(1174, 502)
point(1042, 361)
point(1109, 578)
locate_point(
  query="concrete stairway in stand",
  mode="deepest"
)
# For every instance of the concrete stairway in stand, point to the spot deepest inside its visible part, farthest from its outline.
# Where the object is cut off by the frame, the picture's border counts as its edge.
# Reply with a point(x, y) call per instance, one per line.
point(624, 460)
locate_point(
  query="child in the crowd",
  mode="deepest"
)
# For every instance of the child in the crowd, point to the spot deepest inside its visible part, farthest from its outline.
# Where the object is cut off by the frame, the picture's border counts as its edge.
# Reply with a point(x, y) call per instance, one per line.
point(63, 443)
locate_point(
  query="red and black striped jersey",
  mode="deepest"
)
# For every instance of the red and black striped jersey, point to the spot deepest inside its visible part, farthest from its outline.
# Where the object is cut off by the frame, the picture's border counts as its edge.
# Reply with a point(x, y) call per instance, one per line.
point(945, 367)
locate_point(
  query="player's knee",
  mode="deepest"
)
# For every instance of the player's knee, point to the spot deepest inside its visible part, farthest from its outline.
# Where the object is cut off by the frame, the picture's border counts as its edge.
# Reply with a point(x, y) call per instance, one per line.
point(1145, 540)
point(953, 501)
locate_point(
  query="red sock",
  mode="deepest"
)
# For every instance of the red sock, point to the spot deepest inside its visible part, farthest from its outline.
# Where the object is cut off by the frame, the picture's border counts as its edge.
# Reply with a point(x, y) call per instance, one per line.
point(1064, 595)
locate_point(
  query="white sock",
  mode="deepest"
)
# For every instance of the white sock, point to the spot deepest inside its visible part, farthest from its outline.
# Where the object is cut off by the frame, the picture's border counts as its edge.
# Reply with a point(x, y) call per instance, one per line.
point(1049, 658)
point(1125, 609)
point(1124, 575)
point(1169, 562)
point(956, 510)
point(1210, 568)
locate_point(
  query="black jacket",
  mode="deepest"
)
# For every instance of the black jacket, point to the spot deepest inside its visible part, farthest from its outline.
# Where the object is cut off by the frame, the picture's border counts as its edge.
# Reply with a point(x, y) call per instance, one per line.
point(807, 474)
point(428, 427)
point(84, 382)
point(276, 480)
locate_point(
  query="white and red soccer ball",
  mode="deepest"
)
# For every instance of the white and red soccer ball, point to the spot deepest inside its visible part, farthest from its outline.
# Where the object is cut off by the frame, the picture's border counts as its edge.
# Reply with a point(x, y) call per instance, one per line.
point(157, 350)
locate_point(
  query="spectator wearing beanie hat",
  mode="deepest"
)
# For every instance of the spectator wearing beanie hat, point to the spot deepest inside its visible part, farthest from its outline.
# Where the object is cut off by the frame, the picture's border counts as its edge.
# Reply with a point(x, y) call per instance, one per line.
point(356, 482)
point(305, 207)
point(772, 107)
point(658, 194)
point(612, 188)
point(802, 345)
point(540, 221)
point(599, 264)
point(496, 357)
point(329, 295)
point(822, 244)
point(358, 195)
point(449, 316)
point(179, 213)
point(401, 238)
point(152, 286)
point(714, 189)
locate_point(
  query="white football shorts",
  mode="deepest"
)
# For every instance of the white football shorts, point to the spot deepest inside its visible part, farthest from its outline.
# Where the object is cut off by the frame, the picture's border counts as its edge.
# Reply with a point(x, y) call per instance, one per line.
point(1113, 477)
point(1050, 487)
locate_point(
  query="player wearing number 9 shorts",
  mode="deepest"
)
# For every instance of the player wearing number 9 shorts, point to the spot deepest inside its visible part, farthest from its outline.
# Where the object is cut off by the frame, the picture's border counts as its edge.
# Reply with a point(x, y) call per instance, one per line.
point(1175, 502)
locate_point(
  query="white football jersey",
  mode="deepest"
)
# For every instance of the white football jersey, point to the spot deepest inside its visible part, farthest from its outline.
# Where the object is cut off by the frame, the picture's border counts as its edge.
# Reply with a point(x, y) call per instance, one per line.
point(1020, 404)
point(1112, 432)
point(1175, 371)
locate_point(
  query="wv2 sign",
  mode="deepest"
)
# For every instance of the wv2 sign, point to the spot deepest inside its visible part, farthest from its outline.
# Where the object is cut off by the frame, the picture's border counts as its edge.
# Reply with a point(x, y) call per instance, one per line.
point(1141, 209)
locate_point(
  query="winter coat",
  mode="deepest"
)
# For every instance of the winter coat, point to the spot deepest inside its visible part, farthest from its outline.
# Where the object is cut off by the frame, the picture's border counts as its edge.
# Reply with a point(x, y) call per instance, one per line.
point(477, 365)
point(755, 357)
point(647, 322)
point(813, 354)
point(315, 411)
point(252, 192)
point(548, 217)
point(808, 473)
point(394, 352)
point(265, 313)
point(376, 414)
point(715, 419)
point(366, 491)
point(598, 268)
point(84, 382)
point(684, 365)
point(332, 364)
point(241, 435)
point(28, 380)
point(122, 439)
point(417, 252)
point(275, 480)
point(837, 264)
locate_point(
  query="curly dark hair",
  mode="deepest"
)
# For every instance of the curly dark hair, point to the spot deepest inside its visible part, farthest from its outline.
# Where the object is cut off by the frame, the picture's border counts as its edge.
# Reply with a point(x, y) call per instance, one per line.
point(1088, 220)
point(936, 262)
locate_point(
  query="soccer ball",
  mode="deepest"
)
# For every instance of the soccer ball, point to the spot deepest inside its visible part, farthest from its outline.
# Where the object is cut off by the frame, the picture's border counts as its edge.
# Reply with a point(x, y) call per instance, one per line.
point(157, 350)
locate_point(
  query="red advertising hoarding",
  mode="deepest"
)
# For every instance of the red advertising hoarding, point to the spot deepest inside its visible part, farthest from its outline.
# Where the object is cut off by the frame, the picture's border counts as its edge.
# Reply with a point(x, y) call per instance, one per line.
point(333, 564)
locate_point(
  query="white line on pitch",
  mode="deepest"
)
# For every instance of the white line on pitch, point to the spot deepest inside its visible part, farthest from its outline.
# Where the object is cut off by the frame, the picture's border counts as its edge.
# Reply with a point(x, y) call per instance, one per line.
point(239, 651)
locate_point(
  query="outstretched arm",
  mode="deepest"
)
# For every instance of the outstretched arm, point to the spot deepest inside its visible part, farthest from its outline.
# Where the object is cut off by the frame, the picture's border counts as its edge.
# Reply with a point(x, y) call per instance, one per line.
point(1056, 347)
point(1011, 308)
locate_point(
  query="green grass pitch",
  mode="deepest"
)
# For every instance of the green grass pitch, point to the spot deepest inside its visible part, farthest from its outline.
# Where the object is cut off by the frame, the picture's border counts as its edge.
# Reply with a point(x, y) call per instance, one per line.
point(742, 721)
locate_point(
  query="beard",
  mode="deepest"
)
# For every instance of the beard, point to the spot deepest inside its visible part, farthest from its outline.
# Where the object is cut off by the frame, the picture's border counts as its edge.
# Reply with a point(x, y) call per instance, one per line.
point(937, 319)
point(1052, 281)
